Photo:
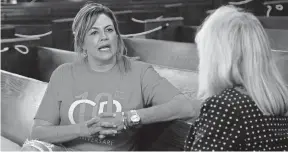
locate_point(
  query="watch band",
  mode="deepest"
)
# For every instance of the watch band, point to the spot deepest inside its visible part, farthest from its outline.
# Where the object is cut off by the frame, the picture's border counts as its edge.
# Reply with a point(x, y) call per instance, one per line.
point(134, 112)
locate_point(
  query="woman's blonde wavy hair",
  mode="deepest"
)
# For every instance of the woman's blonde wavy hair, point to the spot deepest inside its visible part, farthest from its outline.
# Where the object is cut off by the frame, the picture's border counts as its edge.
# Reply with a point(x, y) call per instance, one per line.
point(84, 21)
point(234, 50)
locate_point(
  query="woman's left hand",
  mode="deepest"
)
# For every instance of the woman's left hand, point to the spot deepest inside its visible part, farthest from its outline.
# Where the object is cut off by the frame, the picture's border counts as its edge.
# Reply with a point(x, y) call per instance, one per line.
point(114, 122)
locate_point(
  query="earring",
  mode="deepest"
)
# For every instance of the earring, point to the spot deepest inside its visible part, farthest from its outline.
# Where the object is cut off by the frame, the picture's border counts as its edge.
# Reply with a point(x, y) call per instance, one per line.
point(84, 53)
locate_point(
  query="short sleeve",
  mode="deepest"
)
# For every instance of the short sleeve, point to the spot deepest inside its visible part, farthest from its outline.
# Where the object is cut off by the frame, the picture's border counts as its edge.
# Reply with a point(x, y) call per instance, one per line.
point(219, 127)
point(49, 109)
point(156, 89)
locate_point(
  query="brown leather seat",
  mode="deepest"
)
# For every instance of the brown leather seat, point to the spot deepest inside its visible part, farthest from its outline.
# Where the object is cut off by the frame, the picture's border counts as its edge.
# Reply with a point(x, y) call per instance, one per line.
point(50, 58)
point(173, 55)
point(165, 53)
point(20, 98)
point(281, 58)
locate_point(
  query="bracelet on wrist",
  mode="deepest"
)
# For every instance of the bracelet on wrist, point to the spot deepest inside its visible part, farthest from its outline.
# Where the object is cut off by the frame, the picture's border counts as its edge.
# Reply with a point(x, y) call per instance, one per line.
point(124, 119)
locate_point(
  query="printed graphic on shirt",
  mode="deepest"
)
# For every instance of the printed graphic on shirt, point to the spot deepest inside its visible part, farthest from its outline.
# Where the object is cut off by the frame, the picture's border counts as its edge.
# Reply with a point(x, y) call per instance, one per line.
point(98, 106)
point(98, 140)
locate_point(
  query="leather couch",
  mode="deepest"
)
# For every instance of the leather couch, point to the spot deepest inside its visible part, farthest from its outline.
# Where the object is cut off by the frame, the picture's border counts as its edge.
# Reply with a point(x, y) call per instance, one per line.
point(22, 94)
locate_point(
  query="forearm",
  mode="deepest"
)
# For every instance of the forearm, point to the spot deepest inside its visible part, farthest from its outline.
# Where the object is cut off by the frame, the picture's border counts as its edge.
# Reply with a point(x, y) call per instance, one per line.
point(178, 108)
point(55, 134)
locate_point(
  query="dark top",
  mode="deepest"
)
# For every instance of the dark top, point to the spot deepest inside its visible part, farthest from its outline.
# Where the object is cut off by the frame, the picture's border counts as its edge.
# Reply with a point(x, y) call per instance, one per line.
point(232, 121)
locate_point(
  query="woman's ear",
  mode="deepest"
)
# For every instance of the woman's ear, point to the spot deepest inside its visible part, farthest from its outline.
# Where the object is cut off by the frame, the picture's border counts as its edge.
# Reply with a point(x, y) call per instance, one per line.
point(83, 51)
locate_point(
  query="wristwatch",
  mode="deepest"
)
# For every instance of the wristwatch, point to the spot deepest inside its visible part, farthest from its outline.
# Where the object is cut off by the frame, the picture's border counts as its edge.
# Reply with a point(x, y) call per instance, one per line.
point(134, 118)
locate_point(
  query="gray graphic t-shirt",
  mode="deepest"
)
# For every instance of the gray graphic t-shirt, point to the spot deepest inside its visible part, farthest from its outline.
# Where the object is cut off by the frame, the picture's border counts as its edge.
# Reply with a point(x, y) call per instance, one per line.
point(76, 94)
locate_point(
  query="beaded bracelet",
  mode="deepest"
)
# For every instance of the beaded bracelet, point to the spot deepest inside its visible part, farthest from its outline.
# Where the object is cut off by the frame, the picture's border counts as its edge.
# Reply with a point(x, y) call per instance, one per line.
point(124, 120)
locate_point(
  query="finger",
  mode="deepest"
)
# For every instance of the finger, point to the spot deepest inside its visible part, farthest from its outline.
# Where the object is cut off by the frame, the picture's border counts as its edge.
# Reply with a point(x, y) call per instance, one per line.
point(95, 125)
point(107, 114)
point(101, 136)
point(92, 121)
point(121, 127)
point(108, 132)
point(94, 130)
point(108, 125)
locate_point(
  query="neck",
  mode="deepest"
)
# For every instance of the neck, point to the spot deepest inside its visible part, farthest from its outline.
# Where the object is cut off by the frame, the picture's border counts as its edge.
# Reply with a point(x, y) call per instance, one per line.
point(101, 66)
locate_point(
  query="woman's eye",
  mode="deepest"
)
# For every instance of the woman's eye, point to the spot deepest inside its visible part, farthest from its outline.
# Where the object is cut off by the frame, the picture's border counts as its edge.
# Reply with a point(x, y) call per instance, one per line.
point(110, 30)
point(94, 32)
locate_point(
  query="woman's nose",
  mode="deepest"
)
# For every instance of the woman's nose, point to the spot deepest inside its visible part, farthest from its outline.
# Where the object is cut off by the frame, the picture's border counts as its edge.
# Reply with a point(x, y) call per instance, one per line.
point(103, 36)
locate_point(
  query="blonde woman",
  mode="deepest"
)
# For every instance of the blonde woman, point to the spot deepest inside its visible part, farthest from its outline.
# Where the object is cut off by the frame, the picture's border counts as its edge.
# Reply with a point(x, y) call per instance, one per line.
point(246, 100)
point(99, 102)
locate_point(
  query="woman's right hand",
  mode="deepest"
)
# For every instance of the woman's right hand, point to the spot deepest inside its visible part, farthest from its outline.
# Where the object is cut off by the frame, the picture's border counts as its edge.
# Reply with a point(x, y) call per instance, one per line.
point(90, 127)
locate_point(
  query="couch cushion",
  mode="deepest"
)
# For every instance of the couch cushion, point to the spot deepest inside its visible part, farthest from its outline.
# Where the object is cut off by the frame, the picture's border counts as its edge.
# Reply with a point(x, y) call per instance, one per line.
point(20, 99)
point(281, 58)
point(166, 53)
point(8, 145)
point(185, 80)
point(50, 58)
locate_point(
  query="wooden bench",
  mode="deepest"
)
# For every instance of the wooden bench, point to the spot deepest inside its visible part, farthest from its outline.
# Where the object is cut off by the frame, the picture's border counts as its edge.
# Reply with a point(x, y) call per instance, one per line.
point(62, 37)
point(47, 11)
point(7, 31)
point(25, 63)
point(44, 17)
point(278, 37)
point(258, 7)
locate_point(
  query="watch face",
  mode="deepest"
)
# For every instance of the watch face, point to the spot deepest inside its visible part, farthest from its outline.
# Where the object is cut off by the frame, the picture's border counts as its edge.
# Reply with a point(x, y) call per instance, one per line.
point(135, 118)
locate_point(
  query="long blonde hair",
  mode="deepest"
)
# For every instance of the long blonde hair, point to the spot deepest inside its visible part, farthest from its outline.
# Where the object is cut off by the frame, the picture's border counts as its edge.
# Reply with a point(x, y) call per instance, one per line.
point(234, 49)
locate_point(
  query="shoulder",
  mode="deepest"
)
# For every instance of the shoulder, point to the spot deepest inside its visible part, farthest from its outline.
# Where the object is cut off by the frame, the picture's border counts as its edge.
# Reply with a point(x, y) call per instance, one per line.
point(62, 70)
point(228, 101)
point(140, 66)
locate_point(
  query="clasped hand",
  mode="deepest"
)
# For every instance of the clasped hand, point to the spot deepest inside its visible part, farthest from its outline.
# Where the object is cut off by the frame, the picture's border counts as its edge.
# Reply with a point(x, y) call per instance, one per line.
point(106, 124)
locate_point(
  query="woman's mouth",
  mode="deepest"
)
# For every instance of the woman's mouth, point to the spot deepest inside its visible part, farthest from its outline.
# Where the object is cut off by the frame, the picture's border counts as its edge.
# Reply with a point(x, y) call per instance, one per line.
point(104, 48)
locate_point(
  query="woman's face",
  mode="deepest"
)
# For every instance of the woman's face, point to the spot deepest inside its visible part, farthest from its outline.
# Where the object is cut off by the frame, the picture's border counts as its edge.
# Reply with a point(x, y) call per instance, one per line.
point(101, 40)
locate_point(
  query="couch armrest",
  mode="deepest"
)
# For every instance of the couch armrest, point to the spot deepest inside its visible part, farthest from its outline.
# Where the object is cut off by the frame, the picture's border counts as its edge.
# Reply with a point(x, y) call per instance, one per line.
point(165, 136)
point(8, 145)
